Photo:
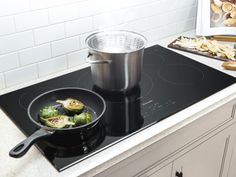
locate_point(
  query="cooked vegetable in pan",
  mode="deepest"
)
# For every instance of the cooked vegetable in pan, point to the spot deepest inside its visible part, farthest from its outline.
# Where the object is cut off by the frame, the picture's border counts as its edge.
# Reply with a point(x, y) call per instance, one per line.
point(70, 114)
point(59, 121)
point(71, 106)
point(82, 119)
point(48, 111)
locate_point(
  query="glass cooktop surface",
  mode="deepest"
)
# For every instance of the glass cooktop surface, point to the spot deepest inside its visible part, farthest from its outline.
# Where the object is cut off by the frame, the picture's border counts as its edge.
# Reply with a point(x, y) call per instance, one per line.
point(170, 83)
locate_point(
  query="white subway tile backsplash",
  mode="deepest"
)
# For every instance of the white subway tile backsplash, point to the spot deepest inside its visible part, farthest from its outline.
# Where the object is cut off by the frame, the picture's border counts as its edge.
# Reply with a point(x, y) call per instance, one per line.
point(128, 3)
point(36, 4)
point(144, 11)
point(144, 24)
point(192, 13)
point(115, 5)
point(92, 7)
point(183, 14)
point(35, 54)
point(8, 7)
point(63, 13)
point(16, 41)
point(175, 4)
point(185, 3)
point(77, 58)
point(7, 25)
point(8, 62)
point(65, 46)
point(79, 26)
point(51, 66)
point(40, 37)
point(152, 35)
point(186, 25)
point(2, 82)
point(108, 19)
point(117, 27)
point(160, 32)
point(152, 22)
point(31, 20)
point(49, 33)
point(168, 30)
point(21, 75)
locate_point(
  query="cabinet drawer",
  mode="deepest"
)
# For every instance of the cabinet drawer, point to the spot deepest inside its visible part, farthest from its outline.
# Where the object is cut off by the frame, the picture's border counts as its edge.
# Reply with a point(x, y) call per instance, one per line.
point(227, 111)
point(218, 116)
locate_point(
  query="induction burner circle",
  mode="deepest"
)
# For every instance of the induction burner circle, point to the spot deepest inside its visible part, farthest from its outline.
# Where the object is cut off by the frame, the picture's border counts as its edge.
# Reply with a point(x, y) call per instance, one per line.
point(181, 74)
point(154, 55)
point(25, 98)
point(74, 145)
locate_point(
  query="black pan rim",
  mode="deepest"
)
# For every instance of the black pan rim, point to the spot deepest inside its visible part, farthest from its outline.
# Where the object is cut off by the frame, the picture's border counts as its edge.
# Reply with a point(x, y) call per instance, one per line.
point(71, 128)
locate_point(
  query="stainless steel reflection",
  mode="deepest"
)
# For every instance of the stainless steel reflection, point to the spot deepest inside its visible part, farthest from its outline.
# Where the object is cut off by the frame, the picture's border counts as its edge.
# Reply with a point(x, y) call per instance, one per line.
point(116, 59)
point(127, 109)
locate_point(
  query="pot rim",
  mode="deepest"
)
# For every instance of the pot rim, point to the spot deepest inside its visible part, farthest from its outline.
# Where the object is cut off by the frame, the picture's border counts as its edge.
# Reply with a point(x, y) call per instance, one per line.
point(115, 31)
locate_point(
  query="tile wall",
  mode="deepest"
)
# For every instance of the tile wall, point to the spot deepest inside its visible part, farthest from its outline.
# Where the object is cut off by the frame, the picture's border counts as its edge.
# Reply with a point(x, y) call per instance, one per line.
point(42, 37)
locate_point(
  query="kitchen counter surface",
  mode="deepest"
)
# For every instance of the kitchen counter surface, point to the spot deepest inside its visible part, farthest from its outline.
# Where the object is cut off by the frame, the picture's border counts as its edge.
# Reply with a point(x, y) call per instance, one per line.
point(34, 163)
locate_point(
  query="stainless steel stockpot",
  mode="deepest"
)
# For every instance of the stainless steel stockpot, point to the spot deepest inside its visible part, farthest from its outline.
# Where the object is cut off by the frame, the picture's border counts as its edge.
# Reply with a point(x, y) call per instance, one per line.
point(116, 59)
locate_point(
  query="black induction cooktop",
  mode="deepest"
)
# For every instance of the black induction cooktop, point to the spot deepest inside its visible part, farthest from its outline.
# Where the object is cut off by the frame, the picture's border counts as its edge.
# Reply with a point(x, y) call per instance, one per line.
point(170, 82)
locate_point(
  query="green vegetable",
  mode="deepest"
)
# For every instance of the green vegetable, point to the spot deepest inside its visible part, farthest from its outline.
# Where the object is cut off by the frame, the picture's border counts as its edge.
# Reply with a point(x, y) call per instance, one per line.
point(71, 106)
point(48, 111)
point(59, 121)
point(82, 119)
point(235, 46)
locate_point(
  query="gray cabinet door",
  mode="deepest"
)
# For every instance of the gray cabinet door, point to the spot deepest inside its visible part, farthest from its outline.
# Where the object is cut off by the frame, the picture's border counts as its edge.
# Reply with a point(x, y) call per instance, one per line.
point(205, 160)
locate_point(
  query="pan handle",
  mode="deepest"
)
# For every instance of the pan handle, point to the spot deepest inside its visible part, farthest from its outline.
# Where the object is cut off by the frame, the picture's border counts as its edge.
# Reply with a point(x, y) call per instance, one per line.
point(96, 61)
point(20, 149)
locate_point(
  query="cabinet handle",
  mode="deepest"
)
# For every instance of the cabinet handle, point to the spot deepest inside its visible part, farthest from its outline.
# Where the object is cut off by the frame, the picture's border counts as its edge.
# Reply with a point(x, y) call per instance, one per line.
point(178, 174)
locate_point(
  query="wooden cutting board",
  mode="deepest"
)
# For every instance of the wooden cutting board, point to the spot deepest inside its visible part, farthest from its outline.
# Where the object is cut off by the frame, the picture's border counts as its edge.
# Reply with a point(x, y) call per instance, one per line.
point(194, 51)
point(224, 38)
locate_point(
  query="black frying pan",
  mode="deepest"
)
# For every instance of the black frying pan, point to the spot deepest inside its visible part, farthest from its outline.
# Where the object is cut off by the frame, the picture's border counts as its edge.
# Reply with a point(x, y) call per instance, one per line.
point(92, 101)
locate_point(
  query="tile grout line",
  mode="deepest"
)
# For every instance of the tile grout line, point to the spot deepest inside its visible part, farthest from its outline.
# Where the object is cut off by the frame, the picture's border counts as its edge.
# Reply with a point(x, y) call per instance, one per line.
point(56, 23)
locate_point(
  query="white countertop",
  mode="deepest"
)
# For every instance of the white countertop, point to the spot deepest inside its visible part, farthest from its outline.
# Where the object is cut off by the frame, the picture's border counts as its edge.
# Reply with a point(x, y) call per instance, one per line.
point(34, 163)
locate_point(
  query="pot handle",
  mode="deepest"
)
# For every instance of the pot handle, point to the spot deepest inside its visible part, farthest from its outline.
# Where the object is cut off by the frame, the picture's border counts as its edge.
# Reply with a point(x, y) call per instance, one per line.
point(20, 149)
point(96, 61)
